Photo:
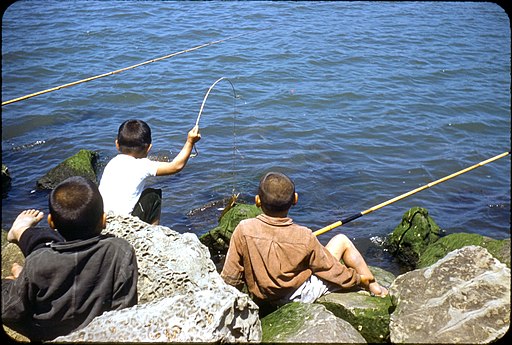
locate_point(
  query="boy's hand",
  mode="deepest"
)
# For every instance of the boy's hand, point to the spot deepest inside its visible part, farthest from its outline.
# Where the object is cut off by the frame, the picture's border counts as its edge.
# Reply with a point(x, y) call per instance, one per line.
point(194, 136)
point(366, 281)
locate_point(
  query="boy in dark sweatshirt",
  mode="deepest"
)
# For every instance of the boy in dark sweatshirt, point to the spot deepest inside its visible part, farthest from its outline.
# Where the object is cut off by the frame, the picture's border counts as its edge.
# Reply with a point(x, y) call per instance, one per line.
point(72, 273)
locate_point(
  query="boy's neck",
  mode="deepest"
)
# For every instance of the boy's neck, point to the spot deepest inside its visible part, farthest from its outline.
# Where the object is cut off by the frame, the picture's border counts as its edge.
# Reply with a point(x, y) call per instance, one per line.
point(283, 214)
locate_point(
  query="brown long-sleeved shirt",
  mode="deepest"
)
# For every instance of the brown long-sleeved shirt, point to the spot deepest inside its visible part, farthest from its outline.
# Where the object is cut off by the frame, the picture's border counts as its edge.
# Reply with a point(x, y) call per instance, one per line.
point(275, 256)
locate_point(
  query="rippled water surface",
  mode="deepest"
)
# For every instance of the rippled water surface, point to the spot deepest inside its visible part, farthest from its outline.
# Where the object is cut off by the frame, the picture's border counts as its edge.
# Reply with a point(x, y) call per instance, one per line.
point(358, 102)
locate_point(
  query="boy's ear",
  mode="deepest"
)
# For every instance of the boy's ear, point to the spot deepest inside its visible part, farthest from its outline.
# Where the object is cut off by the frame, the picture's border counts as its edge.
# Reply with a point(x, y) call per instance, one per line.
point(104, 221)
point(149, 148)
point(50, 221)
point(295, 199)
point(117, 145)
point(257, 200)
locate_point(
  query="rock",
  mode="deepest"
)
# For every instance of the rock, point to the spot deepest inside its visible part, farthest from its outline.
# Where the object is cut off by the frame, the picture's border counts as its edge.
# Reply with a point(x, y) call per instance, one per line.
point(500, 249)
point(11, 253)
point(181, 295)
point(369, 315)
point(412, 236)
point(217, 239)
point(6, 181)
point(81, 164)
point(201, 316)
point(463, 298)
point(307, 323)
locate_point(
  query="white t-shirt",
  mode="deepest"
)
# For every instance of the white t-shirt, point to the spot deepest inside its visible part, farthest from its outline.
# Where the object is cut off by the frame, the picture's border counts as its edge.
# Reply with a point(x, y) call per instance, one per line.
point(123, 181)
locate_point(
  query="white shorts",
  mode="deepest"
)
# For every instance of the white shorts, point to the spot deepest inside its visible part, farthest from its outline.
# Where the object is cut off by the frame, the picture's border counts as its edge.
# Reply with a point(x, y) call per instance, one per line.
point(311, 289)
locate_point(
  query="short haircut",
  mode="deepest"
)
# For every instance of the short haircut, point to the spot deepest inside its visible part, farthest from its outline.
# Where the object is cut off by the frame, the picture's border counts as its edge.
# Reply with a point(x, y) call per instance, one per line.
point(134, 137)
point(276, 192)
point(76, 207)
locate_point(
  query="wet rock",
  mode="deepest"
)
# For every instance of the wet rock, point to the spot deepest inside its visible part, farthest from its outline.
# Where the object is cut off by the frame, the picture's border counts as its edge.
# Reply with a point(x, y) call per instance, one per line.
point(369, 315)
point(217, 239)
point(307, 323)
point(463, 298)
point(181, 296)
point(500, 249)
point(412, 236)
point(81, 164)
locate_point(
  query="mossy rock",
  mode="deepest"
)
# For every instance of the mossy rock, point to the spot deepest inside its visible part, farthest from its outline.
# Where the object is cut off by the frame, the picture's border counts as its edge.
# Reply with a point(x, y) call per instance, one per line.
point(217, 239)
point(412, 236)
point(369, 315)
point(82, 163)
point(307, 323)
point(500, 249)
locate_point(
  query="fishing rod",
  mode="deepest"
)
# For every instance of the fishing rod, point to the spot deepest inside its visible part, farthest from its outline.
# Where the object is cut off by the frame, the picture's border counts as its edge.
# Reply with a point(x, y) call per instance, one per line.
point(405, 195)
point(119, 70)
point(204, 101)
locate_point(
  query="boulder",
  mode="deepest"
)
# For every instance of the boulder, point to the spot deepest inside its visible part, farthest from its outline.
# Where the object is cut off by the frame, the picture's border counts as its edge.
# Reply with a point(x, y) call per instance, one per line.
point(463, 298)
point(181, 296)
point(412, 236)
point(82, 163)
point(208, 316)
point(369, 315)
point(307, 323)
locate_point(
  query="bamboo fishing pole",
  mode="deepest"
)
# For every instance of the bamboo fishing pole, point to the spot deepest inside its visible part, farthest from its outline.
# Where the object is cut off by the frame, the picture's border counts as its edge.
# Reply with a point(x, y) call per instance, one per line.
point(118, 71)
point(405, 195)
point(204, 101)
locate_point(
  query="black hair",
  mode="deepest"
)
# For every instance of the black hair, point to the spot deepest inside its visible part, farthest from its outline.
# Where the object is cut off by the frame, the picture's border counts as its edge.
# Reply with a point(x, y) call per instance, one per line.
point(76, 207)
point(276, 192)
point(134, 137)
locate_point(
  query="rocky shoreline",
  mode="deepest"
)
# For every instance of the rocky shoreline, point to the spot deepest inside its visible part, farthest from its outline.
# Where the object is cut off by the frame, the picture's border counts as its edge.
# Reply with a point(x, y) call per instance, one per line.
point(462, 298)
point(456, 291)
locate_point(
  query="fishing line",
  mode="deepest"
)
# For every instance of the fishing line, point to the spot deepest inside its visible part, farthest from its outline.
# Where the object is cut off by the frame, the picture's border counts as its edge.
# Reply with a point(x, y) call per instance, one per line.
point(196, 152)
point(405, 195)
point(119, 70)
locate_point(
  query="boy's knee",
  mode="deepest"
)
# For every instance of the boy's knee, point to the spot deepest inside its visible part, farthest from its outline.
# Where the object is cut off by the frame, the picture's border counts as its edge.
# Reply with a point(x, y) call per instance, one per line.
point(343, 240)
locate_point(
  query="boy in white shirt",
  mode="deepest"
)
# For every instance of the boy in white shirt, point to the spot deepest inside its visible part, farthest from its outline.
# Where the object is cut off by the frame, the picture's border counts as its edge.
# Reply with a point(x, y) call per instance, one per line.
point(123, 180)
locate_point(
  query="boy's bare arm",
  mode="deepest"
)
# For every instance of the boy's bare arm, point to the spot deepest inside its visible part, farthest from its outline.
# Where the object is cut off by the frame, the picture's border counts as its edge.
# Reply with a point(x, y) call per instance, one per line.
point(179, 162)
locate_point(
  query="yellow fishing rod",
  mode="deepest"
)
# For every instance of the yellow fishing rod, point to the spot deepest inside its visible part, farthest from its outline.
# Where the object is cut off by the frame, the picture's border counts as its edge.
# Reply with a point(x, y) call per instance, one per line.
point(119, 70)
point(405, 195)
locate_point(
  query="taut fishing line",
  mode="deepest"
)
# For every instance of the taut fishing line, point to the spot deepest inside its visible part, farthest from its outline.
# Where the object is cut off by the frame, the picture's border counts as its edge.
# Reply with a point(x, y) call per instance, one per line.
point(196, 152)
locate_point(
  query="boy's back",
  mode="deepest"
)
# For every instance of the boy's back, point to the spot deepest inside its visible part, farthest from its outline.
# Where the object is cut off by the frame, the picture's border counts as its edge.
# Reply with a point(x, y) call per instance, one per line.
point(70, 278)
point(63, 286)
point(277, 256)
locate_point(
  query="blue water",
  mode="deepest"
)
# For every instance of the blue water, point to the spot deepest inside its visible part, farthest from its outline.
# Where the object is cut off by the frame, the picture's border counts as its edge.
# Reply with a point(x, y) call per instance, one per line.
point(357, 101)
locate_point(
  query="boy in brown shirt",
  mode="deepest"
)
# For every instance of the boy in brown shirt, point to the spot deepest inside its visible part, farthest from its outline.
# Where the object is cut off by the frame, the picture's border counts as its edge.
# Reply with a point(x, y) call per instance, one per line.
point(284, 262)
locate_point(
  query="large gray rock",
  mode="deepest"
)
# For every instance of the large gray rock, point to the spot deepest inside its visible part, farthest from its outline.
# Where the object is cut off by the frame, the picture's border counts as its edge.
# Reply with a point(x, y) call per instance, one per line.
point(307, 323)
point(169, 263)
point(182, 298)
point(463, 298)
point(202, 316)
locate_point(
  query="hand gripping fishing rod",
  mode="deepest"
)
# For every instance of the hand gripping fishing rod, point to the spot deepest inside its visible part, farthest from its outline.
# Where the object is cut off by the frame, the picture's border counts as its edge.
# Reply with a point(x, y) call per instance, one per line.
point(405, 195)
point(204, 101)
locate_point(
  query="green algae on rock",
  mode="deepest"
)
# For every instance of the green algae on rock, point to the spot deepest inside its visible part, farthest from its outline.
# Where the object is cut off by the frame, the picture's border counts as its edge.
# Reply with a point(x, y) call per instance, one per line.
point(82, 163)
point(412, 236)
point(217, 239)
point(500, 249)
